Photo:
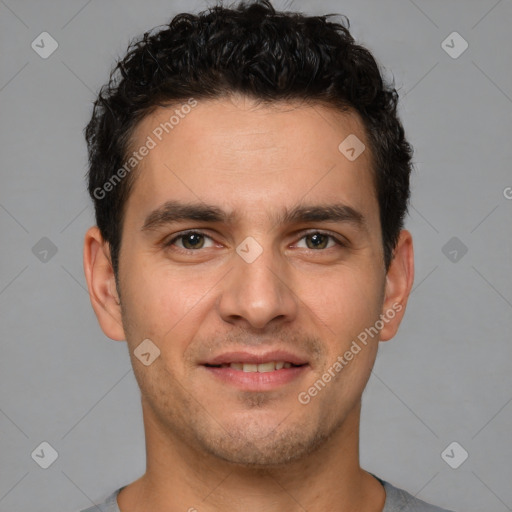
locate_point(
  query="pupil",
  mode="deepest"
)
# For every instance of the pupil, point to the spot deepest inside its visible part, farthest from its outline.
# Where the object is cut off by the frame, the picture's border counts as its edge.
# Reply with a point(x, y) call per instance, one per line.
point(192, 240)
point(317, 239)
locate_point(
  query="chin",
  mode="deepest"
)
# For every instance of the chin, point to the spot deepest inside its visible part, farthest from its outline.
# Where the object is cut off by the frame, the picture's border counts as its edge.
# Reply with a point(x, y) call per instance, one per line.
point(264, 446)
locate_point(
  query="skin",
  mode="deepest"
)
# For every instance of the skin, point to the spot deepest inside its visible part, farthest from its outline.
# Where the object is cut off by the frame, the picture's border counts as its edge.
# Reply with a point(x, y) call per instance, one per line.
point(211, 446)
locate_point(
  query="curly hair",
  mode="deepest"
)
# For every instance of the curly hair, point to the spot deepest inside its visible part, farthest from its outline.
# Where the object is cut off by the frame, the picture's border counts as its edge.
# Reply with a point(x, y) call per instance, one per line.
point(266, 55)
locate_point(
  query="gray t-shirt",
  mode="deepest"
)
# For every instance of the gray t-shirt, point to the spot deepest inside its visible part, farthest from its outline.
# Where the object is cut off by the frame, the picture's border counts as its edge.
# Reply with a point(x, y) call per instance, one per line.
point(397, 500)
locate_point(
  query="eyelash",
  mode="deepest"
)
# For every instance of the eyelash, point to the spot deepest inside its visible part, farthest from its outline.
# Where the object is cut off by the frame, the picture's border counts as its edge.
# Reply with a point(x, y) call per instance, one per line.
point(196, 232)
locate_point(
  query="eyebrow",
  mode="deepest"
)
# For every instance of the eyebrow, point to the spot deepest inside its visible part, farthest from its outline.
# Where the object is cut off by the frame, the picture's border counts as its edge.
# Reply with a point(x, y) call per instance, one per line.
point(175, 211)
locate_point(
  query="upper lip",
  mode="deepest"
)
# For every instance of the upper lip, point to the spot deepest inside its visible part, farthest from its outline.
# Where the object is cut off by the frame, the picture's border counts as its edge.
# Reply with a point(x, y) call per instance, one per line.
point(256, 358)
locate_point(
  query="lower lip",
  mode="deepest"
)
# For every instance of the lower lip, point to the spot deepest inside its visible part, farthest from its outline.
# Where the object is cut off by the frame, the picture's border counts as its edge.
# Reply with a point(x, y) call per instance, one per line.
point(257, 381)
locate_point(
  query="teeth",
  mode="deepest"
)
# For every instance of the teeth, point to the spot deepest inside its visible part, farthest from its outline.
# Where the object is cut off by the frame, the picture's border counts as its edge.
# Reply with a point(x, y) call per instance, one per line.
point(262, 368)
point(267, 367)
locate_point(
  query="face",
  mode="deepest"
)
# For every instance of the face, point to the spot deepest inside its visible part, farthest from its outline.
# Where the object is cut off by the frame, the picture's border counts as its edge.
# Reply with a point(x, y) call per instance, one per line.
point(250, 240)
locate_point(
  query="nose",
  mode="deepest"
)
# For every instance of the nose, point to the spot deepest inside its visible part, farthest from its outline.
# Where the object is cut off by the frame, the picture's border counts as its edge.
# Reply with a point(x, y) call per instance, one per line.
point(258, 293)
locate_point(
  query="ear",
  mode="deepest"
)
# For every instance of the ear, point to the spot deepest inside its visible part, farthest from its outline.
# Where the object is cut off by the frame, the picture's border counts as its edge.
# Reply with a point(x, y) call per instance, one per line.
point(101, 284)
point(399, 279)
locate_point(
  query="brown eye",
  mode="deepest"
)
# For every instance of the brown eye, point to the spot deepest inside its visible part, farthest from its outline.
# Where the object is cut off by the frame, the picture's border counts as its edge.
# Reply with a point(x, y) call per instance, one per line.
point(318, 241)
point(191, 240)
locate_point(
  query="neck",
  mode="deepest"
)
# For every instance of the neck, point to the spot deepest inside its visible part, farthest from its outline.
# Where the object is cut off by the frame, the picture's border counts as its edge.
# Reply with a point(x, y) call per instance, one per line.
point(178, 477)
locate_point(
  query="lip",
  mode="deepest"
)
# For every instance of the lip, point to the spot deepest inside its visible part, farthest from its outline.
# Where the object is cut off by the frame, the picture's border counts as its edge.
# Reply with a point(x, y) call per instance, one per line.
point(256, 381)
point(256, 358)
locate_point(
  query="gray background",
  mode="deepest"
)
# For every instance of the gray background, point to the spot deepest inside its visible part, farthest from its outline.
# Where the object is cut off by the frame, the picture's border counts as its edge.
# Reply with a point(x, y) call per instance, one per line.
point(446, 375)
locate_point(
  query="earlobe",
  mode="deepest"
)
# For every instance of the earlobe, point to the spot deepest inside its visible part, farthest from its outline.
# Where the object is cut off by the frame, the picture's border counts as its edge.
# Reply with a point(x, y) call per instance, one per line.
point(399, 280)
point(100, 279)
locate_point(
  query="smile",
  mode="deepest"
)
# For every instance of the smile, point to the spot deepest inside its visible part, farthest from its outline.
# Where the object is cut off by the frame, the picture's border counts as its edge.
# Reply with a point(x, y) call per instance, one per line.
point(270, 366)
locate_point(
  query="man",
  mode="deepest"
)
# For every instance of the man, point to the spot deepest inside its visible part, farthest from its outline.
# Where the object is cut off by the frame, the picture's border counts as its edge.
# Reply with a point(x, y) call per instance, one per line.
point(250, 179)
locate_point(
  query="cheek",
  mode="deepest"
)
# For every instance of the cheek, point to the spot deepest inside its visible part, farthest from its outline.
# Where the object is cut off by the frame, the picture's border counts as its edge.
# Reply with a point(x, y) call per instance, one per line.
point(165, 305)
point(346, 300)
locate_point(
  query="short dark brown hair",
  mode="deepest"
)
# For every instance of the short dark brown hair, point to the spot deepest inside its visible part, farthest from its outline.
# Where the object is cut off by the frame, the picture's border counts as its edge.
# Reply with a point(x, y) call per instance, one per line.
point(267, 55)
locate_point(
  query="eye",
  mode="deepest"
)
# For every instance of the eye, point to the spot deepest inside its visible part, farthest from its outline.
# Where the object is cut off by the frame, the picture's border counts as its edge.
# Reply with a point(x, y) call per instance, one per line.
point(190, 240)
point(319, 240)
point(195, 240)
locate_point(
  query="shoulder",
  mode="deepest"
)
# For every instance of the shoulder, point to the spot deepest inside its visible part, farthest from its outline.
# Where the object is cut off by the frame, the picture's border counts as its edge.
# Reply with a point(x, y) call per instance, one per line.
point(109, 504)
point(398, 500)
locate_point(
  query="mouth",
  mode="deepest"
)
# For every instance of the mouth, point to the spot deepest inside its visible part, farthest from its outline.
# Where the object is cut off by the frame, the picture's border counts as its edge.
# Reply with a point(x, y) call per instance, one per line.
point(256, 372)
point(271, 366)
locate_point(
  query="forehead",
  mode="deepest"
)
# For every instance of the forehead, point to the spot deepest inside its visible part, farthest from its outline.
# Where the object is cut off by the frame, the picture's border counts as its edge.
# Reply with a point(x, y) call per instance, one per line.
point(251, 158)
